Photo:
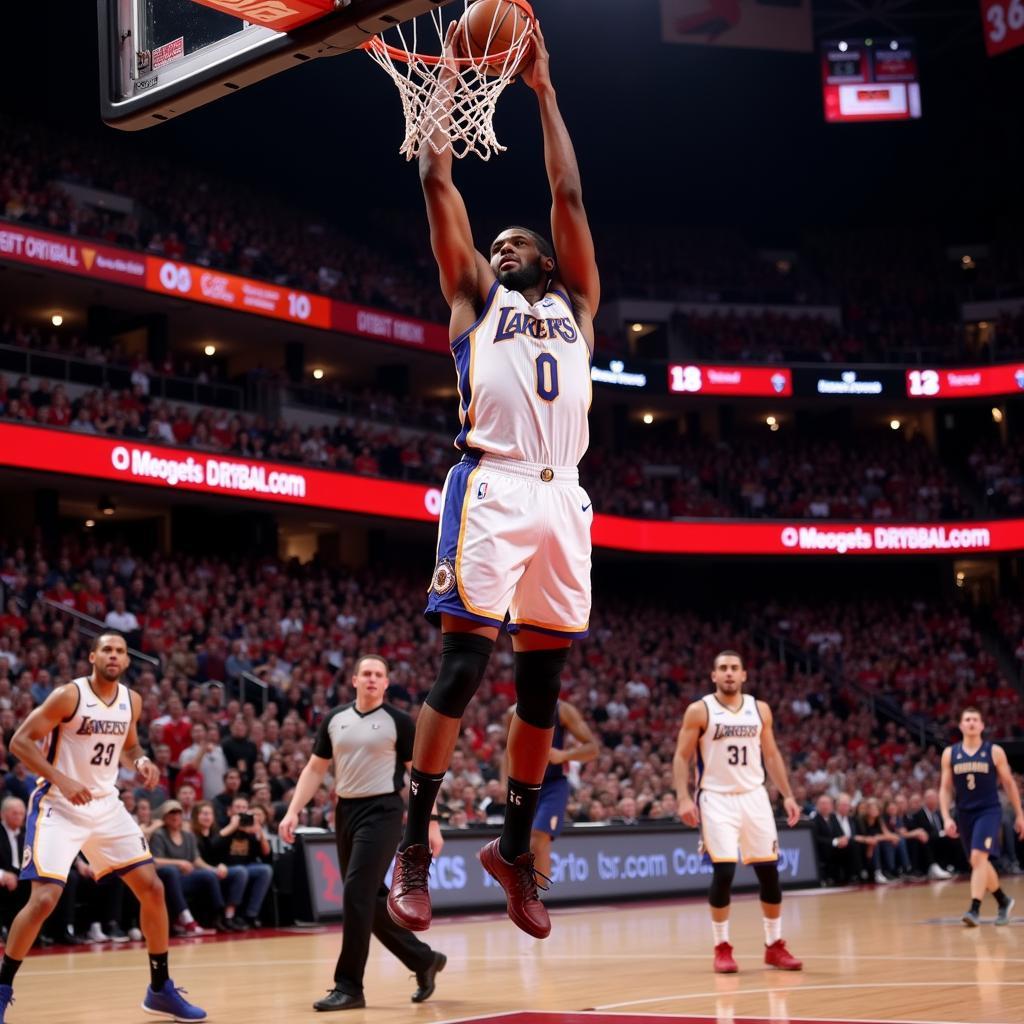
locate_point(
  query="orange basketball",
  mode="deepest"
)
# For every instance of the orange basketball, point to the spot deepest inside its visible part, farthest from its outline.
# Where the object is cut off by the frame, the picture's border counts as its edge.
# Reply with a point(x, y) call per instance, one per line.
point(490, 28)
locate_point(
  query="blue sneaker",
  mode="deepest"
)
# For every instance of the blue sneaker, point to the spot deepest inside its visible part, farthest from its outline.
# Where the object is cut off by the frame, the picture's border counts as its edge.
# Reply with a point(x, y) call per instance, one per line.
point(169, 1003)
point(6, 998)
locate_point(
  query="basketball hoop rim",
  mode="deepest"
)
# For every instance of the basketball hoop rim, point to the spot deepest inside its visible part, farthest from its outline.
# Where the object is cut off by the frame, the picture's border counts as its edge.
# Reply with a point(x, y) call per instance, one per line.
point(378, 45)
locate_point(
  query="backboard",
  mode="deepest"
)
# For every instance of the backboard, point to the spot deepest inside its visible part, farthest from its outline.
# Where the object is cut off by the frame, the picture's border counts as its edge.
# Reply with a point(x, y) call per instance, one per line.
point(161, 58)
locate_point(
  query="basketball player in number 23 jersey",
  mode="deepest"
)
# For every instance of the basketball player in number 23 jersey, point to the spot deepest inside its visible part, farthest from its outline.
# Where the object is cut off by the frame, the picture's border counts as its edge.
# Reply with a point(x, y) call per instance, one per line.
point(514, 538)
point(971, 771)
point(87, 728)
point(731, 734)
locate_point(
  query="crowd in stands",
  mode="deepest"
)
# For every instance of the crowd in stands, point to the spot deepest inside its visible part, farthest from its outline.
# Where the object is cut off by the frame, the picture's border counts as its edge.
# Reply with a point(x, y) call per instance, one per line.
point(897, 292)
point(778, 476)
point(999, 472)
point(864, 693)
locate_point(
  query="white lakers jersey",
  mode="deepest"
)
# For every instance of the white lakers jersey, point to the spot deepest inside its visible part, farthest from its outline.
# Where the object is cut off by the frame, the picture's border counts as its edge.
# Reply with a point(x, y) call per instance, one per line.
point(88, 747)
point(729, 755)
point(524, 381)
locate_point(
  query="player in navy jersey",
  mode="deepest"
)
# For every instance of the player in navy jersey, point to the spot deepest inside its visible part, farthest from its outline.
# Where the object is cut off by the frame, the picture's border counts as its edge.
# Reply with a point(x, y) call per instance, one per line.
point(971, 772)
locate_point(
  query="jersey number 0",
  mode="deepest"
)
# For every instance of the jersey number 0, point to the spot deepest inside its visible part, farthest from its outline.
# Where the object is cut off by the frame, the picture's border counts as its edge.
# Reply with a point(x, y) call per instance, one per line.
point(547, 376)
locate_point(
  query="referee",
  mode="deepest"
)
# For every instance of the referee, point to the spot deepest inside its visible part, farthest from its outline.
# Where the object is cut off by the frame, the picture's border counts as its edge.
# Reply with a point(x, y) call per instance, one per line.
point(370, 744)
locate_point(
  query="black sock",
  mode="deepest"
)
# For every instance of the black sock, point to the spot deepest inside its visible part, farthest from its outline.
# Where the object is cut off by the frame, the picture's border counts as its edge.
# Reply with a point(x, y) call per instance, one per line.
point(158, 971)
point(422, 794)
point(1001, 898)
point(520, 810)
point(8, 969)
point(975, 906)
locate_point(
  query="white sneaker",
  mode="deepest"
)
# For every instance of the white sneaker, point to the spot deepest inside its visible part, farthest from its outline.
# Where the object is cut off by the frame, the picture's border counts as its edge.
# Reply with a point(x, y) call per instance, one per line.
point(937, 873)
point(96, 933)
point(880, 878)
point(134, 934)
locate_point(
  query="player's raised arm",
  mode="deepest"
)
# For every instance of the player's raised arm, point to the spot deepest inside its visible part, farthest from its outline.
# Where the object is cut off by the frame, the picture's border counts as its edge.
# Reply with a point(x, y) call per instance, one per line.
point(775, 764)
point(59, 707)
point(1002, 763)
point(694, 723)
point(464, 271)
point(570, 230)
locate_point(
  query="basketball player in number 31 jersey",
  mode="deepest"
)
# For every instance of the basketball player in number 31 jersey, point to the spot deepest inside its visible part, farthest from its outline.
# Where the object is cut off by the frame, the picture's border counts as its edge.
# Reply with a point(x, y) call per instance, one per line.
point(731, 734)
point(88, 730)
point(514, 537)
point(972, 771)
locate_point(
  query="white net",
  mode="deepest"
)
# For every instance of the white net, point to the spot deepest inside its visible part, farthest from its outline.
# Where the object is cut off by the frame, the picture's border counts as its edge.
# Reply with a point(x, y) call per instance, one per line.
point(450, 103)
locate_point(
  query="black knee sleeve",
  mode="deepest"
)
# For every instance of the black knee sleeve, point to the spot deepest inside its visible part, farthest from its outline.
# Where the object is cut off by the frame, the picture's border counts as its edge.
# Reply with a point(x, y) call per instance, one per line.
point(720, 893)
point(538, 678)
point(464, 659)
point(768, 877)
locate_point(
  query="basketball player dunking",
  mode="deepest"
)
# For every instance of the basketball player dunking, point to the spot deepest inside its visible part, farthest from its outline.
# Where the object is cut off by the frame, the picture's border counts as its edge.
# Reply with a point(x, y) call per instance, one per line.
point(731, 733)
point(514, 538)
point(89, 729)
point(972, 770)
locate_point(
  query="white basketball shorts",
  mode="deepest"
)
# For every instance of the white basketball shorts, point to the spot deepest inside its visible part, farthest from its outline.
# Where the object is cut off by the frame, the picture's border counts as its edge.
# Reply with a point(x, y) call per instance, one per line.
point(514, 542)
point(738, 824)
point(56, 830)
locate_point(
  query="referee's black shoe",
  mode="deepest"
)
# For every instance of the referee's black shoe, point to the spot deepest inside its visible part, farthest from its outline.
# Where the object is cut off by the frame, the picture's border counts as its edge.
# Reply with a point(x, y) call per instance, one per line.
point(425, 978)
point(338, 1000)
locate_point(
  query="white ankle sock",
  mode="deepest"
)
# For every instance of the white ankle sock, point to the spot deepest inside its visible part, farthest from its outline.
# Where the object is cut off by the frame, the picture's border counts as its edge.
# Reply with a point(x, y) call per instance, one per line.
point(721, 930)
point(772, 930)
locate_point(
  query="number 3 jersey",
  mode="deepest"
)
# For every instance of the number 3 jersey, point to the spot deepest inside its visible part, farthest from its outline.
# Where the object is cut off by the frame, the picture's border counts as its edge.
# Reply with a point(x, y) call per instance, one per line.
point(524, 381)
point(88, 746)
point(729, 753)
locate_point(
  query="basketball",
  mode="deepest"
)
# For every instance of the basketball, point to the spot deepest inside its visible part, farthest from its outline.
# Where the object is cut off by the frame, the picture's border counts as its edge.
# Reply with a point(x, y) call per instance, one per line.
point(491, 28)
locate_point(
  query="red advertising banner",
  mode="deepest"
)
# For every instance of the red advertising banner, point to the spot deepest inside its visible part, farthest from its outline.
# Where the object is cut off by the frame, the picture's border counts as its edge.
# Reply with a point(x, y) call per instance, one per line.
point(230, 291)
point(1004, 25)
point(757, 381)
point(71, 255)
point(968, 382)
point(120, 461)
point(127, 462)
point(391, 327)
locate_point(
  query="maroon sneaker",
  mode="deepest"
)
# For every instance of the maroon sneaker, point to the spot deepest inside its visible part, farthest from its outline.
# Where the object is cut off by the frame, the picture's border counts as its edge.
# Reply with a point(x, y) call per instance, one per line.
point(519, 880)
point(409, 898)
point(724, 962)
point(776, 955)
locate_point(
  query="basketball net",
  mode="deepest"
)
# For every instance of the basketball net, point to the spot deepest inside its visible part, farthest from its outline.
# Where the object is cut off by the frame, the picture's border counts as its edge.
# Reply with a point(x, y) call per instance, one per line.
point(448, 104)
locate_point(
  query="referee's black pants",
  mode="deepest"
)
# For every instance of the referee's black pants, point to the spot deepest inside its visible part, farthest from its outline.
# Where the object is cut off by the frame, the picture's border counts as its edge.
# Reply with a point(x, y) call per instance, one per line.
point(368, 832)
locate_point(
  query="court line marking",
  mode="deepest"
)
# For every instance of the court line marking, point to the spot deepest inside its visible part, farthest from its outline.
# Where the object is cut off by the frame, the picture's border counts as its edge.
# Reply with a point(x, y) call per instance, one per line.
point(761, 1016)
point(798, 989)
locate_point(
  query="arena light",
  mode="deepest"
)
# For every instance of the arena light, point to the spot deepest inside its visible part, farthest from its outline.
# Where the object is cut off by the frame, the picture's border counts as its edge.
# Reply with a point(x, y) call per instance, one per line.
point(210, 350)
point(648, 418)
point(318, 374)
point(106, 505)
point(844, 46)
point(997, 414)
point(56, 319)
point(895, 424)
point(637, 328)
point(771, 421)
point(90, 523)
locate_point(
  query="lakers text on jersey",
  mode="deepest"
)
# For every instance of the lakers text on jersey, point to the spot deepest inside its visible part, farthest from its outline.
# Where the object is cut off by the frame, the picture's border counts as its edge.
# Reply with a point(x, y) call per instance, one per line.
point(86, 748)
point(514, 536)
point(735, 812)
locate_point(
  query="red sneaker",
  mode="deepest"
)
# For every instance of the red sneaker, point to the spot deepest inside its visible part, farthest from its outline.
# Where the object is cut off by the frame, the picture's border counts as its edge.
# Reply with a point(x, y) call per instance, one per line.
point(519, 880)
point(409, 898)
point(776, 955)
point(724, 962)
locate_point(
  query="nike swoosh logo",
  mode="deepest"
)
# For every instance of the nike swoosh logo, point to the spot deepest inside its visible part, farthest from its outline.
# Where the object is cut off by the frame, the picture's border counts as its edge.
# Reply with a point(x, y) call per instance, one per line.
point(585, 507)
point(90, 705)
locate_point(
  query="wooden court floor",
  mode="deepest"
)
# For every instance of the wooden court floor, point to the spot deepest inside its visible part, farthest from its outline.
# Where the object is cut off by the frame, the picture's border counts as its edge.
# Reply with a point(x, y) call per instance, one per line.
point(893, 954)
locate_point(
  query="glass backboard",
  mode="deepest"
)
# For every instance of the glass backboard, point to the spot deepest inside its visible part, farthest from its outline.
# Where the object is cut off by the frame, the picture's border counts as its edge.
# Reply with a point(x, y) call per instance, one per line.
point(161, 58)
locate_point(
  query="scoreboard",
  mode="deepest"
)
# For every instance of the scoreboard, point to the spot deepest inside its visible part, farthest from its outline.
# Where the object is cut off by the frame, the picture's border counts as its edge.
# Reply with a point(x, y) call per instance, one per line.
point(870, 80)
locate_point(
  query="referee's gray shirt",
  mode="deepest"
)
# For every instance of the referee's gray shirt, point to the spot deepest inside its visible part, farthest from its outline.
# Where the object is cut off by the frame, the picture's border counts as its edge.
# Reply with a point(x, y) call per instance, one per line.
point(369, 750)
